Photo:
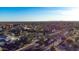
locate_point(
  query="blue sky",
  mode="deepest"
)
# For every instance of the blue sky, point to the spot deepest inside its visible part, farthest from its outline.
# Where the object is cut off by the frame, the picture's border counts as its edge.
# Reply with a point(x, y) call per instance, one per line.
point(33, 13)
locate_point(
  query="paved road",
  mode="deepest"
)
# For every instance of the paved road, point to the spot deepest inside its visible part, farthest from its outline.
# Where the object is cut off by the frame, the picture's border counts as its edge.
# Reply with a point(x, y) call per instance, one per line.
point(27, 46)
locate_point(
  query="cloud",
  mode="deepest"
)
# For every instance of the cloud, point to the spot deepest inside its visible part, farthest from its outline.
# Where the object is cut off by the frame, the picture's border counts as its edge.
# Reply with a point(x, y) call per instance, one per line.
point(68, 15)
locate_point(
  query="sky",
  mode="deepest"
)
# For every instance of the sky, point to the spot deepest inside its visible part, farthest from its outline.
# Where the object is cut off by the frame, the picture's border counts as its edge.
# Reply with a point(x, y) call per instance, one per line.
point(39, 14)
